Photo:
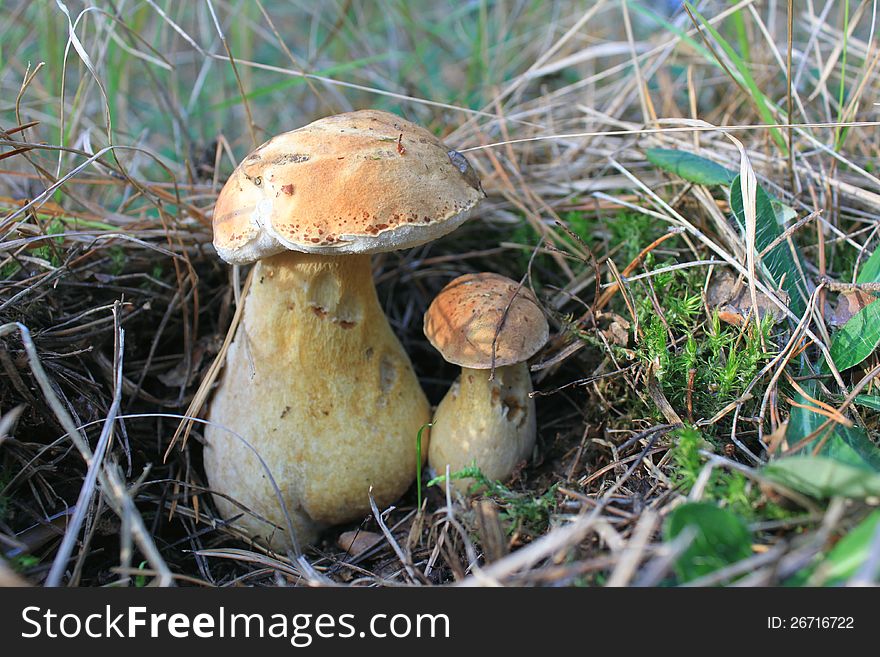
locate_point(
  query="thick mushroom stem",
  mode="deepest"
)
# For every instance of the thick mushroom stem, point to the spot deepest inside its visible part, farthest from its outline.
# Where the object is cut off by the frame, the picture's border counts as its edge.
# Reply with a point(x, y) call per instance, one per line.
point(319, 385)
point(488, 422)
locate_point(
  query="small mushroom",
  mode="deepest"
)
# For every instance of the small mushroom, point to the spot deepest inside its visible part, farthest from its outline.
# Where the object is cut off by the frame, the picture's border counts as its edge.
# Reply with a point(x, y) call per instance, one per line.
point(490, 421)
point(315, 380)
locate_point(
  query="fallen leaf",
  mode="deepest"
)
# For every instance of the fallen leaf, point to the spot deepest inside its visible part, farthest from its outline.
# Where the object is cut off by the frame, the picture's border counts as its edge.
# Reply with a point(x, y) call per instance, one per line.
point(357, 541)
point(848, 304)
point(617, 331)
point(730, 296)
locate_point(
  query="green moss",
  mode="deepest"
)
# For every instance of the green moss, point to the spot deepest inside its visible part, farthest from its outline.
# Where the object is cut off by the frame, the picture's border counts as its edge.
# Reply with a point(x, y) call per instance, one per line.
point(729, 489)
point(520, 510)
point(722, 359)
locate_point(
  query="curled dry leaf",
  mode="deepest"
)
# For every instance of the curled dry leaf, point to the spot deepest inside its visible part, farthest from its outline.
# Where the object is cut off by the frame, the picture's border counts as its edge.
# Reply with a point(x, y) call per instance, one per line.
point(848, 304)
point(730, 295)
point(616, 329)
point(619, 332)
point(357, 541)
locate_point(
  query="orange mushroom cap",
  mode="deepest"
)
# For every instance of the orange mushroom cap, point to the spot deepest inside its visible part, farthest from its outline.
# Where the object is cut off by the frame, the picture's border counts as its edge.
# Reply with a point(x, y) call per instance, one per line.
point(463, 320)
point(360, 182)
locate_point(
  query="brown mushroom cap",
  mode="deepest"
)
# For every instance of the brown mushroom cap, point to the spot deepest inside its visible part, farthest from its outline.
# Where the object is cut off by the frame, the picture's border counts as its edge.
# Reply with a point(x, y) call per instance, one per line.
point(463, 319)
point(360, 182)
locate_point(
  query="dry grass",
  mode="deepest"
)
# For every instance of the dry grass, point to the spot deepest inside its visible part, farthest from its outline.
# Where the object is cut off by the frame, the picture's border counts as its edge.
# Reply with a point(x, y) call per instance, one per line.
point(120, 123)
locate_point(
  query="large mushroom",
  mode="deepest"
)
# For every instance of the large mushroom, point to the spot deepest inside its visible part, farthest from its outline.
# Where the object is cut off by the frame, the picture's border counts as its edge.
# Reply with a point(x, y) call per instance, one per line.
point(316, 384)
point(480, 322)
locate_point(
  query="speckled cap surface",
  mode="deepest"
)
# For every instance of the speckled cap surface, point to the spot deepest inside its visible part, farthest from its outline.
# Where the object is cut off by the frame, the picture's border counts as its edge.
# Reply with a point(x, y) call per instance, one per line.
point(463, 319)
point(360, 182)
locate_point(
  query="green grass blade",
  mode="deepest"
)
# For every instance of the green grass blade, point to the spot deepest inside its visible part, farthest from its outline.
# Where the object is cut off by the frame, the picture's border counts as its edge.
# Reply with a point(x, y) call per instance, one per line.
point(290, 82)
point(844, 560)
point(677, 31)
point(746, 79)
point(419, 461)
point(742, 38)
point(840, 135)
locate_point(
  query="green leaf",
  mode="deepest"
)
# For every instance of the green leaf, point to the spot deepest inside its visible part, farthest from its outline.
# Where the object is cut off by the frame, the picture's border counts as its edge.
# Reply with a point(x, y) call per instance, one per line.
point(848, 445)
point(843, 561)
point(779, 262)
point(857, 339)
point(868, 401)
point(784, 213)
point(850, 553)
point(851, 445)
point(721, 539)
point(692, 168)
point(821, 476)
point(870, 271)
